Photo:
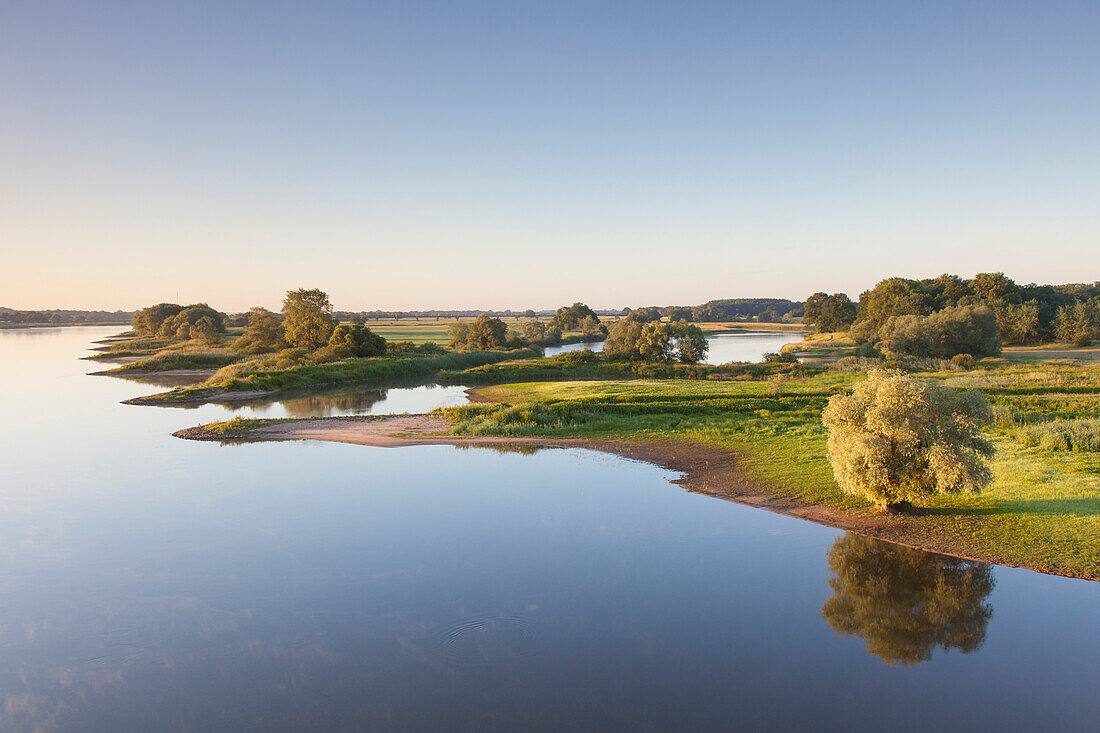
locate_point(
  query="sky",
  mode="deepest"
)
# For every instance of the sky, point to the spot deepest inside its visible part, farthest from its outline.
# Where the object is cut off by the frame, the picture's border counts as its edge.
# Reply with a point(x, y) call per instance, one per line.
point(416, 155)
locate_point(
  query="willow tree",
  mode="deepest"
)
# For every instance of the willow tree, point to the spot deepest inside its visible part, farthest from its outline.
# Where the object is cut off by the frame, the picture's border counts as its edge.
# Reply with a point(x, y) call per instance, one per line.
point(896, 439)
point(307, 318)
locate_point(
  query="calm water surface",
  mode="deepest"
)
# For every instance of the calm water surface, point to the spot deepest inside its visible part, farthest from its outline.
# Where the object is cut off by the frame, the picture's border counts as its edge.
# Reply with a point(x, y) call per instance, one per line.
point(724, 347)
point(156, 584)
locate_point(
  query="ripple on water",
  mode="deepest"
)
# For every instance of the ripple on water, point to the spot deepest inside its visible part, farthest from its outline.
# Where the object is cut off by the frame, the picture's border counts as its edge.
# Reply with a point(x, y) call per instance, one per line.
point(487, 639)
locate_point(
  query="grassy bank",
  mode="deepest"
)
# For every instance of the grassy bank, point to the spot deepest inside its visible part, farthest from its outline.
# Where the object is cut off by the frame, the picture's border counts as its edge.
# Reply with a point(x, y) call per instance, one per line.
point(266, 375)
point(1042, 510)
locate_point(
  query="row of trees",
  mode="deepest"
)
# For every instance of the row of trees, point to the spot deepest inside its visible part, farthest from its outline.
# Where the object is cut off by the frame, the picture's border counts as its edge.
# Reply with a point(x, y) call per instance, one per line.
point(1025, 313)
point(948, 315)
point(63, 317)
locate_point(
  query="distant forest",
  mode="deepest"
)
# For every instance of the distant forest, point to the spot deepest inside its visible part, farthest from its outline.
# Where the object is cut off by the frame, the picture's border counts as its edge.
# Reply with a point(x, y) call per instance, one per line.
point(64, 317)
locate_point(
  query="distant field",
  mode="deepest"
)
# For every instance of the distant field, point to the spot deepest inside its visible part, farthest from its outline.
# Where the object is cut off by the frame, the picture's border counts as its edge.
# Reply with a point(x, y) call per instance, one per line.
point(420, 333)
point(1051, 351)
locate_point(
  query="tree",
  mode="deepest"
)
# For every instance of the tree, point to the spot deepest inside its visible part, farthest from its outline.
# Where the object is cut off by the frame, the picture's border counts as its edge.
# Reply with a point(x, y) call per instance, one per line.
point(263, 333)
point(678, 313)
point(530, 314)
point(691, 343)
point(905, 602)
point(622, 339)
point(829, 313)
point(1019, 324)
point(590, 327)
point(656, 341)
point(963, 329)
point(203, 330)
point(568, 317)
point(649, 314)
point(535, 332)
point(481, 334)
point(355, 340)
point(1078, 324)
point(147, 321)
point(994, 288)
point(896, 439)
point(894, 296)
point(307, 318)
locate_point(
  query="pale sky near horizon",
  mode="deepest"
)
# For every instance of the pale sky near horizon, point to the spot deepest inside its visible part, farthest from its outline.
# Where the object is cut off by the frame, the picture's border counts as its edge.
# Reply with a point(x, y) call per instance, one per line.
point(510, 154)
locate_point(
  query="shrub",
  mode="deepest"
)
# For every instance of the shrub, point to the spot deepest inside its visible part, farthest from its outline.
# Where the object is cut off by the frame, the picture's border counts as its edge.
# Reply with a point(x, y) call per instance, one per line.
point(895, 439)
point(354, 340)
point(291, 357)
point(964, 362)
point(1078, 435)
point(960, 330)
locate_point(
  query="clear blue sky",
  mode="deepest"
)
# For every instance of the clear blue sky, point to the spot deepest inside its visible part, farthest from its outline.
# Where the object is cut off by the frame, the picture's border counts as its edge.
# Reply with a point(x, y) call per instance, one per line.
point(405, 155)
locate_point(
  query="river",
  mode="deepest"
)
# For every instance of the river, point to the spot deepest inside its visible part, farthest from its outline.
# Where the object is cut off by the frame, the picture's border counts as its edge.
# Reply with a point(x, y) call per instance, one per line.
point(151, 583)
point(723, 347)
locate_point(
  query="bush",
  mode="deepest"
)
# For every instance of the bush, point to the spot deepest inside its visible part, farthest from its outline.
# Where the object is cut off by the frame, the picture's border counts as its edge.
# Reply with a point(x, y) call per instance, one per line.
point(964, 362)
point(895, 439)
point(354, 340)
point(960, 330)
point(1080, 435)
point(291, 357)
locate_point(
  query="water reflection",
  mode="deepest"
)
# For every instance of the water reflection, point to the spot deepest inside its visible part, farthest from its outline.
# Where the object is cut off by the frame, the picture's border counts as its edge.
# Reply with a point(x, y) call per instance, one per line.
point(903, 602)
point(324, 405)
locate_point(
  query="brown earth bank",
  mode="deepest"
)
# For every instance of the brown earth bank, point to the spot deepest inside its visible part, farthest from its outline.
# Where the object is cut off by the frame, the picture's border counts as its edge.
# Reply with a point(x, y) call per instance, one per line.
point(704, 470)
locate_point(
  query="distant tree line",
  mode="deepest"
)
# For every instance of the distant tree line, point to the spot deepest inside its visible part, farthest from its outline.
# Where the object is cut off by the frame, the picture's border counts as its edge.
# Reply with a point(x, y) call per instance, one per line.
point(949, 315)
point(736, 309)
point(765, 310)
point(64, 317)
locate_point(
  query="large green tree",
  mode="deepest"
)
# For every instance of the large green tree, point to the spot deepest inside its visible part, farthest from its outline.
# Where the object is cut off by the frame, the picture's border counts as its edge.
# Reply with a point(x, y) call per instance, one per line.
point(829, 313)
point(481, 334)
point(656, 341)
point(568, 317)
point(903, 602)
point(307, 318)
point(896, 439)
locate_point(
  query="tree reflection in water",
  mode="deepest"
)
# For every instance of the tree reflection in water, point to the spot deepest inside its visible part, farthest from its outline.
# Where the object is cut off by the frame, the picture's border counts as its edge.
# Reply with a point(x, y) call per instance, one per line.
point(905, 602)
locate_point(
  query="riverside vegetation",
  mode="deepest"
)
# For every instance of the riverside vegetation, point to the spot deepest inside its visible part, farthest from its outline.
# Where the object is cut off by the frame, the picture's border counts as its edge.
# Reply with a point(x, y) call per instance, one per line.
point(1019, 485)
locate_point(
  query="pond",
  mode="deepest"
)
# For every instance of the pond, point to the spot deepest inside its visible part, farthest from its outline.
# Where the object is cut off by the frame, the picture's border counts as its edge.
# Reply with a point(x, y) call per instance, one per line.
point(724, 347)
point(152, 583)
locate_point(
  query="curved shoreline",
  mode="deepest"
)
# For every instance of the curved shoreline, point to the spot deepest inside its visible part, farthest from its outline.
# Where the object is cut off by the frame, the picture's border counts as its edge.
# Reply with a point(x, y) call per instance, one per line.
point(704, 470)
